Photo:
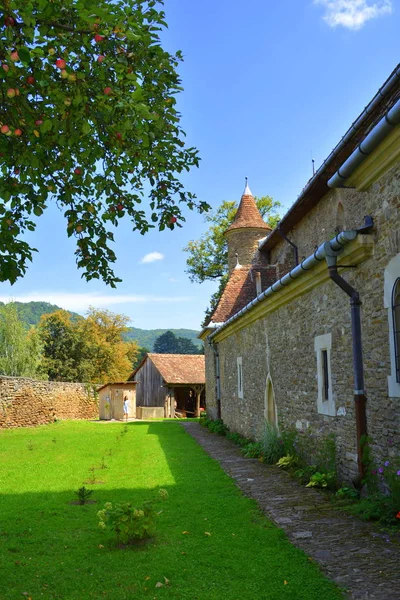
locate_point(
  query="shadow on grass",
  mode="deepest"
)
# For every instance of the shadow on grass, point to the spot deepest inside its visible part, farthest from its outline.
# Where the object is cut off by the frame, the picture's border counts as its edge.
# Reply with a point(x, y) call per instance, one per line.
point(212, 543)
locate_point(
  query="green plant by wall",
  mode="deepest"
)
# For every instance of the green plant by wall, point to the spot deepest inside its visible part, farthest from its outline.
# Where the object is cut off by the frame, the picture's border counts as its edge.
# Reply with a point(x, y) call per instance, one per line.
point(214, 425)
point(131, 523)
point(272, 444)
point(322, 480)
point(253, 450)
point(287, 462)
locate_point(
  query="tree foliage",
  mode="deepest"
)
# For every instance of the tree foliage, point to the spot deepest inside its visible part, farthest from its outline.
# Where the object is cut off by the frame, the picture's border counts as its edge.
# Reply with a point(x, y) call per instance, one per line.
point(88, 119)
point(169, 343)
point(88, 350)
point(20, 351)
point(208, 256)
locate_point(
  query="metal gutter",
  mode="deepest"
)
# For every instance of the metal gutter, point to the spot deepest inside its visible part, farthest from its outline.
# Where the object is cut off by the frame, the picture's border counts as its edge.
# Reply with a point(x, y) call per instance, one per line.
point(368, 145)
point(317, 180)
point(340, 240)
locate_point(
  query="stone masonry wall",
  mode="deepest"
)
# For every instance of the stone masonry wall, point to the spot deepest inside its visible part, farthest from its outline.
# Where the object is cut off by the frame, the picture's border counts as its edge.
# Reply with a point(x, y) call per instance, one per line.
point(244, 243)
point(282, 344)
point(26, 402)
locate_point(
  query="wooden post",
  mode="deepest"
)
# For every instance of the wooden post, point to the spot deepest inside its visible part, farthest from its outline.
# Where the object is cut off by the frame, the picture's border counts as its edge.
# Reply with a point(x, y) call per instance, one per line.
point(172, 401)
point(198, 390)
point(198, 394)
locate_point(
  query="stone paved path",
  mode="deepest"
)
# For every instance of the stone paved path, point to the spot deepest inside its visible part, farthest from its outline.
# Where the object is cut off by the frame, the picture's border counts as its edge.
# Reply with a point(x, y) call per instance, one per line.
point(349, 551)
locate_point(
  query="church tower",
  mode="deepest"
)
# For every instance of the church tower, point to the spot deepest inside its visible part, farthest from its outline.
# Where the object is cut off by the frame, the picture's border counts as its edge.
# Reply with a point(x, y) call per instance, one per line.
point(244, 233)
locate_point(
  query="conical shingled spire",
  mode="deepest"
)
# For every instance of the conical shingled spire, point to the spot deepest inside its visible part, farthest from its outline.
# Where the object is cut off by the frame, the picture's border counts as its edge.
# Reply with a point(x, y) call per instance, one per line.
point(248, 214)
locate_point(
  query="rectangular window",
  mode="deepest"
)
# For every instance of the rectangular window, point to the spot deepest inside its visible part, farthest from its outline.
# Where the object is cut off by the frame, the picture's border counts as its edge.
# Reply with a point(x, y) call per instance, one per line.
point(325, 399)
point(240, 377)
point(325, 374)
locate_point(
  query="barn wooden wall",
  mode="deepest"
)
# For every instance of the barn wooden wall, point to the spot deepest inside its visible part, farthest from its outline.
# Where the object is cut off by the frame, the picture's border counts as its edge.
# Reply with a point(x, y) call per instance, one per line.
point(150, 390)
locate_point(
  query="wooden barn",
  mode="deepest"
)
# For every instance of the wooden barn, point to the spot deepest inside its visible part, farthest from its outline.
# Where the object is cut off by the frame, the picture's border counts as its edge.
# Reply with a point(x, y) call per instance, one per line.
point(111, 399)
point(170, 385)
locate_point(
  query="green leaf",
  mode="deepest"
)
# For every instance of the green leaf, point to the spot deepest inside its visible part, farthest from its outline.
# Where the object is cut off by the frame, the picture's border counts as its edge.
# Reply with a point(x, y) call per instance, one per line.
point(24, 54)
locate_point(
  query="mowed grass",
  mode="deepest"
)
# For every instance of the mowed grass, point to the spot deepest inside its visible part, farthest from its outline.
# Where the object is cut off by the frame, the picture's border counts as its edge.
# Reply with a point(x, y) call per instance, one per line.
point(52, 549)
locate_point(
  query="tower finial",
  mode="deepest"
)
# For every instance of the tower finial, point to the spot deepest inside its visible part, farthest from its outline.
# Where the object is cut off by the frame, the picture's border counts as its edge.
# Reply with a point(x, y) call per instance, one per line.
point(247, 190)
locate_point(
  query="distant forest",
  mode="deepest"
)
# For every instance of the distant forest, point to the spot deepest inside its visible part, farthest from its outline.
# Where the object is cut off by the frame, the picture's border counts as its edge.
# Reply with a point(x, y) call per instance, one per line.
point(30, 313)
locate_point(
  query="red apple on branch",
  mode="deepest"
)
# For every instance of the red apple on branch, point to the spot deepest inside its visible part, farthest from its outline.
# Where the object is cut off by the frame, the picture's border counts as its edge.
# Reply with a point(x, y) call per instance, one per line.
point(18, 132)
point(30, 80)
point(172, 220)
point(5, 129)
point(100, 58)
point(6, 68)
point(107, 91)
point(11, 93)
point(14, 56)
point(78, 171)
point(98, 38)
point(60, 63)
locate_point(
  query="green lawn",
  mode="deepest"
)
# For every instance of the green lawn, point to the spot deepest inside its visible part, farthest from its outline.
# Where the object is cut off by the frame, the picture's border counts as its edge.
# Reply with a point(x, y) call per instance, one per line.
point(52, 549)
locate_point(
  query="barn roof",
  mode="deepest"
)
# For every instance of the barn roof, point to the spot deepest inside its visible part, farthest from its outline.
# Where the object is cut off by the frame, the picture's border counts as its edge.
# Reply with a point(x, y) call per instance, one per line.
point(178, 368)
point(120, 383)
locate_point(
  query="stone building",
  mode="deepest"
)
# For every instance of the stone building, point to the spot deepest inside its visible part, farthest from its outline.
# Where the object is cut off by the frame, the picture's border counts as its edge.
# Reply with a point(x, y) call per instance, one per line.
point(313, 343)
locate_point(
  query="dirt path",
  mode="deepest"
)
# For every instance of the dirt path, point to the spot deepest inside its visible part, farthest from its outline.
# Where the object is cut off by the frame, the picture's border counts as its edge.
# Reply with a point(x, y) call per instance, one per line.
point(349, 551)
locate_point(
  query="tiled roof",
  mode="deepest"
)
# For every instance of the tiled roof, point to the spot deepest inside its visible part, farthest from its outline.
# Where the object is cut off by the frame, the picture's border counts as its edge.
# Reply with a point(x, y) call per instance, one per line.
point(240, 290)
point(248, 215)
point(180, 368)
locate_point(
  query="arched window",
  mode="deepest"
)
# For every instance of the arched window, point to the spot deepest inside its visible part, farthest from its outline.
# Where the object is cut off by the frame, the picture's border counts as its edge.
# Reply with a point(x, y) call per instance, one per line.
point(340, 225)
point(270, 406)
point(391, 301)
point(396, 326)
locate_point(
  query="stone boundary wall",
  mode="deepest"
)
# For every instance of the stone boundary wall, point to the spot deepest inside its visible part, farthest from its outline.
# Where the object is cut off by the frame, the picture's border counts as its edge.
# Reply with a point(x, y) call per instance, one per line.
point(27, 402)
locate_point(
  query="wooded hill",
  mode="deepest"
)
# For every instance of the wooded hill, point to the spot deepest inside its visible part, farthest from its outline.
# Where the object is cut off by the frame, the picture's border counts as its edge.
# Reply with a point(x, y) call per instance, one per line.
point(30, 313)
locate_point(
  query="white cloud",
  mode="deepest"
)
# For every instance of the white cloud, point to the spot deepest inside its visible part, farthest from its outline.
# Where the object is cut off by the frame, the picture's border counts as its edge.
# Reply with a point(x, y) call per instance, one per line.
point(81, 302)
point(353, 14)
point(151, 257)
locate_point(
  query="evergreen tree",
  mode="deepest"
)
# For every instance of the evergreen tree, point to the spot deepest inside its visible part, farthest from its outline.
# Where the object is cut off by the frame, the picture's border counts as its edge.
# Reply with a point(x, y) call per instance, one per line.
point(169, 343)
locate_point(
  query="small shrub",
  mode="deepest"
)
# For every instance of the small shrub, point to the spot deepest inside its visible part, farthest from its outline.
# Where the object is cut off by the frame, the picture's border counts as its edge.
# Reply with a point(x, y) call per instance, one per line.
point(252, 450)
point(237, 439)
point(83, 494)
point(131, 523)
point(103, 464)
point(322, 480)
point(30, 446)
point(304, 474)
point(287, 462)
point(346, 493)
point(272, 444)
point(217, 426)
point(92, 477)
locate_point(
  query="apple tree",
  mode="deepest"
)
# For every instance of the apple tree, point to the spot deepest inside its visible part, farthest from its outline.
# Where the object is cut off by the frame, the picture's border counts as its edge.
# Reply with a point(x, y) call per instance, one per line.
point(88, 120)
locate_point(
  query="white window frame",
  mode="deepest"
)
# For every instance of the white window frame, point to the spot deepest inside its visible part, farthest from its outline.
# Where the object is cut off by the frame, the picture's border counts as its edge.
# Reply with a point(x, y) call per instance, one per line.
point(240, 376)
point(325, 407)
point(392, 272)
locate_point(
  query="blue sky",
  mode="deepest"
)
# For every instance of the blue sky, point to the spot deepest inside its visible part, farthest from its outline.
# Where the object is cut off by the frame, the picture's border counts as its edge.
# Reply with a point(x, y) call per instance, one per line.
point(268, 86)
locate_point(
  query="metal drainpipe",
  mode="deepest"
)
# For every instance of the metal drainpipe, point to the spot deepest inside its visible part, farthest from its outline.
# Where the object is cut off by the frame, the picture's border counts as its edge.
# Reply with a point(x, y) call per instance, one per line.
point(295, 248)
point(217, 377)
point(358, 367)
